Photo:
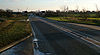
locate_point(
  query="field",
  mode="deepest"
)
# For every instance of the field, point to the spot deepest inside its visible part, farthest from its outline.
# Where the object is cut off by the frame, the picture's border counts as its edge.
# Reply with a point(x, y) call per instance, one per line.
point(12, 30)
point(17, 18)
point(91, 21)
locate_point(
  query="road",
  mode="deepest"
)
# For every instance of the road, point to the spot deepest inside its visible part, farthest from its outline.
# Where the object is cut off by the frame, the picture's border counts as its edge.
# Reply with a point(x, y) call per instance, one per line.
point(57, 38)
point(89, 30)
point(23, 48)
point(52, 38)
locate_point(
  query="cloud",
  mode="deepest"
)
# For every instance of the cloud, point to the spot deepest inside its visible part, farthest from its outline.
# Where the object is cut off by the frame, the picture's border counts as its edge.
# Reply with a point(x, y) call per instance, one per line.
point(12, 0)
point(61, 0)
point(15, 0)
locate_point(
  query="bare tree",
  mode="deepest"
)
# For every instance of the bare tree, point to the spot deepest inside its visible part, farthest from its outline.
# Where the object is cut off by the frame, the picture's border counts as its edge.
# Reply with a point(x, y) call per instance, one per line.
point(77, 9)
point(97, 8)
point(85, 14)
point(65, 11)
point(76, 12)
point(97, 12)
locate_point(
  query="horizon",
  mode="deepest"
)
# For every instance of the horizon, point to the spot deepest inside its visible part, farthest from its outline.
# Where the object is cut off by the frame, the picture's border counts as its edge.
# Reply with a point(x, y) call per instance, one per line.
point(34, 5)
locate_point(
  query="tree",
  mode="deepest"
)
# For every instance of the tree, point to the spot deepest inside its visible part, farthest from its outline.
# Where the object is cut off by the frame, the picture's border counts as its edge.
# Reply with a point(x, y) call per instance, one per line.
point(97, 12)
point(2, 12)
point(65, 10)
point(9, 13)
point(84, 14)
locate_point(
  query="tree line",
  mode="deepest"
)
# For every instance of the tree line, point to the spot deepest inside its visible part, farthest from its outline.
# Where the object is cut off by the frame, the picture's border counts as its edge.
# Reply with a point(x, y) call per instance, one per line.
point(6, 13)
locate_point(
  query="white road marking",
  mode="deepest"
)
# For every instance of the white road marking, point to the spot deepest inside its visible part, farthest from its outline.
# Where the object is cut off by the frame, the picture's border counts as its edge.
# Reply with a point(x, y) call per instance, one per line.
point(74, 33)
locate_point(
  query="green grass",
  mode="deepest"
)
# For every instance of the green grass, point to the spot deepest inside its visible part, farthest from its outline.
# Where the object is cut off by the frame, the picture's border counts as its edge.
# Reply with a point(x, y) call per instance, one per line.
point(94, 18)
point(76, 21)
point(57, 18)
point(13, 30)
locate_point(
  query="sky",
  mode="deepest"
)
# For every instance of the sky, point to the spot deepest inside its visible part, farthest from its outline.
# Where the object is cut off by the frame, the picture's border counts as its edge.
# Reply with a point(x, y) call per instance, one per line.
point(32, 5)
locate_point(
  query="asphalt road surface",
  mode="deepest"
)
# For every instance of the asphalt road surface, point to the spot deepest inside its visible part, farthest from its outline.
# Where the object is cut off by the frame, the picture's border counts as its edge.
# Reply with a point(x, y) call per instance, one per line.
point(92, 33)
point(23, 48)
point(52, 41)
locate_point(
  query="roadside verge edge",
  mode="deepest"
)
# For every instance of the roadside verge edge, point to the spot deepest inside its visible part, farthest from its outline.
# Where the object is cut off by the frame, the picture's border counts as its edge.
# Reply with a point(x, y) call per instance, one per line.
point(14, 43)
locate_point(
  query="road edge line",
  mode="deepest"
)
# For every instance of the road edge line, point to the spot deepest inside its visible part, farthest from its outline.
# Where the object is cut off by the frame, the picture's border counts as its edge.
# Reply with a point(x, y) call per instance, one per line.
point(14, 43)
point(59, 27)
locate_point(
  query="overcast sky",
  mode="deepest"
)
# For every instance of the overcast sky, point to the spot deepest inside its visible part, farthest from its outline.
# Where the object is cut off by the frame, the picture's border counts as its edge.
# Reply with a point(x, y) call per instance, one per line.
point(48, 4)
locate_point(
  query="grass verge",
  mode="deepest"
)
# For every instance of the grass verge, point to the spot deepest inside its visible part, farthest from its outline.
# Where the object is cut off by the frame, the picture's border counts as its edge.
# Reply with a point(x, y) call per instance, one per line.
point(16, 18)
point(12, 30)
point(91, 21)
